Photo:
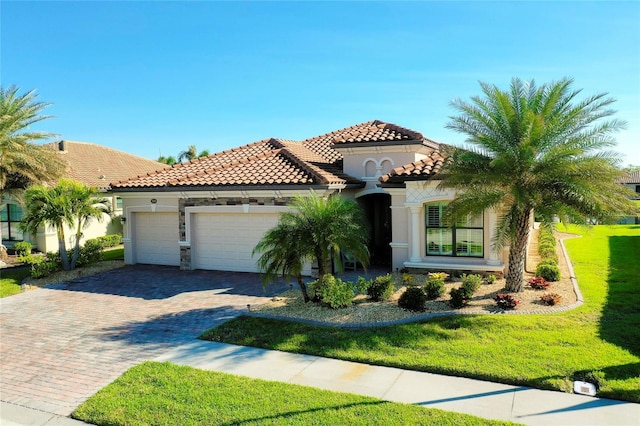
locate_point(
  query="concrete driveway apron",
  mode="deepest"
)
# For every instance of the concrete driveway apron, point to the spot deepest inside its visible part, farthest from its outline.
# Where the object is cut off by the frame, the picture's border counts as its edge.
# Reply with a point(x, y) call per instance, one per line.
point(59, 345)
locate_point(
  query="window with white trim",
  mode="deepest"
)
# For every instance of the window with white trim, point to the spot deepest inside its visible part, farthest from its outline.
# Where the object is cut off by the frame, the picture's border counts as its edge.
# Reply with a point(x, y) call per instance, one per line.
point(464, 239)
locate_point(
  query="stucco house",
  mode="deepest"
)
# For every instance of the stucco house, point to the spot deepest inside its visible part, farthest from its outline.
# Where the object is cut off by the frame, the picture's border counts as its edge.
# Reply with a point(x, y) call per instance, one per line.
point(92, 164)
point(631, 181)
point(210, 213)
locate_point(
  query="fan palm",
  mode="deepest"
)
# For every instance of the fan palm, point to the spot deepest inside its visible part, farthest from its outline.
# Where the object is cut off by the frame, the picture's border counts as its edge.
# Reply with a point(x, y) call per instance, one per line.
point(22, 163)
point(534, 148)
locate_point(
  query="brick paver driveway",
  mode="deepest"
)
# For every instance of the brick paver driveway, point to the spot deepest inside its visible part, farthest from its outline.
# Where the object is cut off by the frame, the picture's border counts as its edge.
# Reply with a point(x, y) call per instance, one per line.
point(60, 345)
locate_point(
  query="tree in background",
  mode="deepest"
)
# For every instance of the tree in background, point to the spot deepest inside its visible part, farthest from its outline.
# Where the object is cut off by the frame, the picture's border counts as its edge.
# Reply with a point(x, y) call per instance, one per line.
point(534, 148)
point(170, 160)
point(22, 162)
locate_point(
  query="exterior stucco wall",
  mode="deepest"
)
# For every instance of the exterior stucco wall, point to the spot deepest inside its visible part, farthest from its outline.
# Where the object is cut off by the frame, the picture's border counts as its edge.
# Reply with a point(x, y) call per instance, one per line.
point(409, 232)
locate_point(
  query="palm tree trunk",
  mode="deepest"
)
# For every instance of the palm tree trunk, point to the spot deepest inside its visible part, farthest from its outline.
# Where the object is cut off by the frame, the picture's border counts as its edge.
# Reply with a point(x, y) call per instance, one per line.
point(62, 248)
point(303, 288)
point(76, 249)
point(518, 254)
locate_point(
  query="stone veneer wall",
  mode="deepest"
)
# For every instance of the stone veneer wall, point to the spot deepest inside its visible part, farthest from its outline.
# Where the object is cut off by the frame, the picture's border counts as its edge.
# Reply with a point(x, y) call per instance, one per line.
point(185, 252)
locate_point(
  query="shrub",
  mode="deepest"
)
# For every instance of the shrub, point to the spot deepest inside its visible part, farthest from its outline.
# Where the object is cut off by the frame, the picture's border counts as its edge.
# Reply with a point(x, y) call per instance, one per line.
point(44, 268)
point(549, 261)
point(362, 285)
point(407, 280)
point(548, 271)
point(538, 283)
point(413, 299)
point(334, 292)
point(30, 259)
point(90, 253)
point(442, 276)
point(506, 301)
point(550, 299)
point(490, 279)
point(22, 248)
point(110, 240)
point(381, 288)
point(433, 288)
point(547, 250)
point(458, 298)
point(470, 284)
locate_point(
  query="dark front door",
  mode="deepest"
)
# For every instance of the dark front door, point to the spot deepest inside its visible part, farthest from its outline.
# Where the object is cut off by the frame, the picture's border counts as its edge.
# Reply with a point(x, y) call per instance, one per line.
point(377, 208)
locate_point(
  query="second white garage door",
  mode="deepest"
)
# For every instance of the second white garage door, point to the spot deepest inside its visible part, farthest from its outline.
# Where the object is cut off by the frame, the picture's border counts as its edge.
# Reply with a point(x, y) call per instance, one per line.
point(224, 242)
point(156, 238)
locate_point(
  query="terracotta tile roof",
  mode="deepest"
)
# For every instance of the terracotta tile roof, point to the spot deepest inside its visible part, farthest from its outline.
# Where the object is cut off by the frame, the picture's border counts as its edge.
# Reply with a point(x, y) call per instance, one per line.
point(370, 132)
point(633, 177)
point(313, 161)
point(424, 169)
point(267, 162)
point(97, 166)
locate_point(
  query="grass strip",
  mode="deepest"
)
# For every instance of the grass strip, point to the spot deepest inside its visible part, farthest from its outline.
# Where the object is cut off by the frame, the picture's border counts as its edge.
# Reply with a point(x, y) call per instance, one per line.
point(166, 394)
point(10, 280)
point(600, 339)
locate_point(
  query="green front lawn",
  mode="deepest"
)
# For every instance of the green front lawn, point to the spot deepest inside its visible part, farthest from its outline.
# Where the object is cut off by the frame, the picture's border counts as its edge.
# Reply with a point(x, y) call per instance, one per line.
point(543, 351)
point(10, 280)
point(167, 394)
point(113, 254)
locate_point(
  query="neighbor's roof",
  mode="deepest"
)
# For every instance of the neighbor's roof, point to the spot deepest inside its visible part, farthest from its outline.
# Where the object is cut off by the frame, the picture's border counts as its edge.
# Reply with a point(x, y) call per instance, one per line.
point(633, 177)
point(96, 165)
point(272, 161)
point(424, 169)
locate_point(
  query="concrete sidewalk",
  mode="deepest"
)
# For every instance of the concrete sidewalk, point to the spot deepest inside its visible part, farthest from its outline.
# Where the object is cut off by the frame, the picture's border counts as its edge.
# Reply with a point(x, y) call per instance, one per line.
point(484, 399)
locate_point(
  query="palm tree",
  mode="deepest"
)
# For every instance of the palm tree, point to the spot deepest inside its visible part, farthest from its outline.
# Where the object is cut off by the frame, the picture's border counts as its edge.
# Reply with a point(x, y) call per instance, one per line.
point(318, 228)
point(22, 163)
point(534, 148)
point(48, 206)
point(85, 206)
point(190, 154)
point(281, 255)
point(68, 203)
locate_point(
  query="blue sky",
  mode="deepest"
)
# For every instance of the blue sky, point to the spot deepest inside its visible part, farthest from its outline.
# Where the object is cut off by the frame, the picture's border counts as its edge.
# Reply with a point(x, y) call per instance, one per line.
point(152, 78)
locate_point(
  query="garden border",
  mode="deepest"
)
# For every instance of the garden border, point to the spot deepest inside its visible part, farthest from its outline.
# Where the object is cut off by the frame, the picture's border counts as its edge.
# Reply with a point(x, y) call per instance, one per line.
point(418, 318)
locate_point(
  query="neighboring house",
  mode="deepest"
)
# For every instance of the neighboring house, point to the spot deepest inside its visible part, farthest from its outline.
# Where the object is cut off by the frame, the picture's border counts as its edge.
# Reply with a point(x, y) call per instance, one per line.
point(93, 165)
point(631, 181)
point(211, 212)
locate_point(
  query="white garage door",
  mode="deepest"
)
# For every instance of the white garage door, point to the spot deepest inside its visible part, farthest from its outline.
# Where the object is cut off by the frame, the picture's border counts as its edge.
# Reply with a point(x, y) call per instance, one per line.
point(156, 238)
point(224, 242)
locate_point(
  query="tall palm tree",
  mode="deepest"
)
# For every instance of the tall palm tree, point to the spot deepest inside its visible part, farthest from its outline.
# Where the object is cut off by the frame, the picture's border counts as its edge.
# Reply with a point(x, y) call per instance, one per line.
point(534, 148)
point(191, 153)
point(48, 206)
point(23, 163)
point(281, 255)
point(319, 228)
point(85, 206)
